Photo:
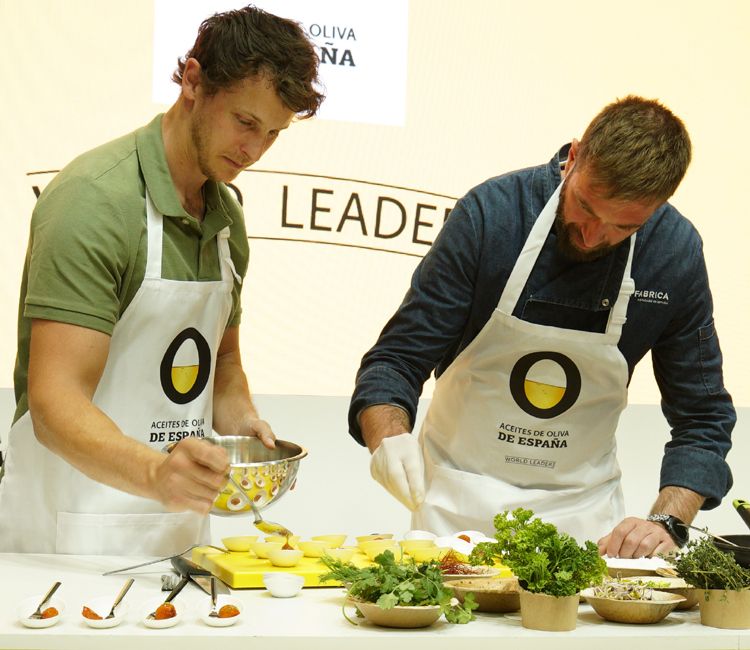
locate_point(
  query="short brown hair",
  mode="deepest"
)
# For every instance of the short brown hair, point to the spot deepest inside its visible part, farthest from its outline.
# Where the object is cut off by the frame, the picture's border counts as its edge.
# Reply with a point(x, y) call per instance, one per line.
point(636, 149)
point(242, 43)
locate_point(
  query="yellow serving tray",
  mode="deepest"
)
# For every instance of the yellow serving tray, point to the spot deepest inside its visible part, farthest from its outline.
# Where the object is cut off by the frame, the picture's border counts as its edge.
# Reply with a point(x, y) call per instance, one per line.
point(243, 571)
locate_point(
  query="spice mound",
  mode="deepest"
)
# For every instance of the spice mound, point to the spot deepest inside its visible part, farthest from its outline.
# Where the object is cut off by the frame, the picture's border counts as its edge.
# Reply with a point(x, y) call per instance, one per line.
point(451, 564)
point(165, 610)
point(90, 614)
point(50, 612)
point(228, 611)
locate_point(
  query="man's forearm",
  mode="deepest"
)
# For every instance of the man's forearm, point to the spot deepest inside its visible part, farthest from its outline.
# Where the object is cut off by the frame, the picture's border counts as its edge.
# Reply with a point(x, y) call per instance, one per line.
point(679, 502)
point(232, 401)
point(70, 426)
point(382, 421)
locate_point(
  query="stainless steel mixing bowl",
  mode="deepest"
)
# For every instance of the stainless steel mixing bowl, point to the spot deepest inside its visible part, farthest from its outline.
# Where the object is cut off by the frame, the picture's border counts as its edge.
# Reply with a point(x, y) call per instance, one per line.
point(258, 474)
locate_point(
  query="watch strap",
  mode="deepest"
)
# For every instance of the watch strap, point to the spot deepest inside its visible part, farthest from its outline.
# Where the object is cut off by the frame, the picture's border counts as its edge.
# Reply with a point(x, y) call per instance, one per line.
point(676, 528)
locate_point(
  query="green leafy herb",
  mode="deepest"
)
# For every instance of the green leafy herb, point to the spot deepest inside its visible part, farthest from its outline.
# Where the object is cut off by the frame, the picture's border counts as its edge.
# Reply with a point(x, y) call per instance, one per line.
point(544, 560)
point(704, 566)
point(390, 583)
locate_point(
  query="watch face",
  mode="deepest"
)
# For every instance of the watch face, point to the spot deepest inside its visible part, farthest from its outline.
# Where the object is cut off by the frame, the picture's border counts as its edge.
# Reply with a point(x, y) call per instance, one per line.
point(677, 530)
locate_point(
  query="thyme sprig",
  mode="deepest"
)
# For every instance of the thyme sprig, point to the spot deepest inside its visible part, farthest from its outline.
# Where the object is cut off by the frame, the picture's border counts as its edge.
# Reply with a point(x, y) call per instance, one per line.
point(704, 566)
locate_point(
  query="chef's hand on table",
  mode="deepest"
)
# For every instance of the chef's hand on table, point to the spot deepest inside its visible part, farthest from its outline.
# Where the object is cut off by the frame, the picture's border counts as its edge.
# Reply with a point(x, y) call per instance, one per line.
point(191, 476)
point(397, 464)
point(634, 537)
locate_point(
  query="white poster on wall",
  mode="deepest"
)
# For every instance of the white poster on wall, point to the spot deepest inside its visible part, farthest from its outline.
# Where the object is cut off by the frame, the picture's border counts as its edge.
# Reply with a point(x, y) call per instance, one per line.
point(362, 48)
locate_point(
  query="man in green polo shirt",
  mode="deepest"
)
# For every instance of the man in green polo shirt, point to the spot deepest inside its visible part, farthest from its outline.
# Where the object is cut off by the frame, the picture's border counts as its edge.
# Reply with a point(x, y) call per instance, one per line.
point(130, 307)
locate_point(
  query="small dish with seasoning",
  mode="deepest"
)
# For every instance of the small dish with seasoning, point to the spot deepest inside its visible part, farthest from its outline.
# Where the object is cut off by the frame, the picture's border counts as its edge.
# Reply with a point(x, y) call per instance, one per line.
point(51, 613)
point(228, 608)
point(94, 613)
point(167, 614)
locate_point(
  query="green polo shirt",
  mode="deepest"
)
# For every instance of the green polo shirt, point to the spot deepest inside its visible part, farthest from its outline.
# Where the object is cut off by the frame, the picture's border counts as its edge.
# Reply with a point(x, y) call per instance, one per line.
point(87, 248)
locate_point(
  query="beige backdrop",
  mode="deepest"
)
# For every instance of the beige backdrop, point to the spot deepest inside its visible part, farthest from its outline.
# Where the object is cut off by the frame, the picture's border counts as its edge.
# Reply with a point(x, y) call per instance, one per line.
point(491, 86)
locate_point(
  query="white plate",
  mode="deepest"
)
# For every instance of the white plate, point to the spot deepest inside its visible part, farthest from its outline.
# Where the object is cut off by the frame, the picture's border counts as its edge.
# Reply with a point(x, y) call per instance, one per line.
point(214, 621)
point(158, 624)
point(631, 566)
point(28, 607)
point(101, 605)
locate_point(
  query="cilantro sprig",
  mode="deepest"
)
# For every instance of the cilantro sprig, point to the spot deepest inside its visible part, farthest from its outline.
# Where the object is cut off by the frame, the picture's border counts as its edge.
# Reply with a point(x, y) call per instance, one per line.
point(544, 560)
point(389, 583)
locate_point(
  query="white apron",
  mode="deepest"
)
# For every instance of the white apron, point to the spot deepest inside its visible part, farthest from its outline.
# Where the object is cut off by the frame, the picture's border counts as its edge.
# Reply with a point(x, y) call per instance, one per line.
point(157, 386)
point(526, 416)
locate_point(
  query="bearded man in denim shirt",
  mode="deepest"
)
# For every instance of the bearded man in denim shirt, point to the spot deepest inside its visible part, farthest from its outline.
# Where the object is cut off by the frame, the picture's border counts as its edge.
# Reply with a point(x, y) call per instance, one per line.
point(542, 292)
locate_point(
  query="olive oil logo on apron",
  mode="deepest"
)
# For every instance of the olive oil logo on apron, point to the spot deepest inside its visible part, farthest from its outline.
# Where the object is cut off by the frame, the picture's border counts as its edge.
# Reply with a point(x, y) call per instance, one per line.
point(186, 366)
point(545, 384)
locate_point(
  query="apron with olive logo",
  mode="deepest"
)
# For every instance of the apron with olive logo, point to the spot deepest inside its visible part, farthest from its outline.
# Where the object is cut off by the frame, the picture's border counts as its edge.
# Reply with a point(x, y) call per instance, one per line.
point(526, 415)
point(157, 386)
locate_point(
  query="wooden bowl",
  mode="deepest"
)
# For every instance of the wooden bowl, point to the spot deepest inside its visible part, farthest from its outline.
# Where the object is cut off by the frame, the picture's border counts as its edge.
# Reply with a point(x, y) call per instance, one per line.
point(671, 586)
point(398, 616)
point(491, 594)
point(478, 572)
point(633, 611)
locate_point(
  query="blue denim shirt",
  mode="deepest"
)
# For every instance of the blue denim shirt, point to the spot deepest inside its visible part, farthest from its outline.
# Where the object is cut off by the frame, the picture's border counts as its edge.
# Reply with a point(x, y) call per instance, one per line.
point(458, 284)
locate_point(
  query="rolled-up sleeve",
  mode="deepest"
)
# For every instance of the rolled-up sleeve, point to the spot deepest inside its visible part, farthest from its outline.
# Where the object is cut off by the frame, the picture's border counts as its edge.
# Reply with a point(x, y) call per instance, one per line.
point(688, 369)
point(427, 325)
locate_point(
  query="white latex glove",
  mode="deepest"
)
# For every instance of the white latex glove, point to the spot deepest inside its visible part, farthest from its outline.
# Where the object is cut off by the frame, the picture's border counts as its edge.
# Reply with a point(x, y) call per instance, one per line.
point(397, 464)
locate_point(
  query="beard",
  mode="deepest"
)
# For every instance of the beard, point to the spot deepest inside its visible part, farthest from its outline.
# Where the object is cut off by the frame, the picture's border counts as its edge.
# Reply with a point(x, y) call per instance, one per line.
point(565, 236)
point(200, 134)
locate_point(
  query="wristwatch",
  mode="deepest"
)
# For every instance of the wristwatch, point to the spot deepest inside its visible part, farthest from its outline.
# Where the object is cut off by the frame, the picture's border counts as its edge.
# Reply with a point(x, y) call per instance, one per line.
point(676, 528)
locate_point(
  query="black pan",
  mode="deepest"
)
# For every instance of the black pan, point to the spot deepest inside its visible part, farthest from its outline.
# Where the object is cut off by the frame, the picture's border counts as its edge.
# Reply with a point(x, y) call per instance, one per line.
point(742, 555)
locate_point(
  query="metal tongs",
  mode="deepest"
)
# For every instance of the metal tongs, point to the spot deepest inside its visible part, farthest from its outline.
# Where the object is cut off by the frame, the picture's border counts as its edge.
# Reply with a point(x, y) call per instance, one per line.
point(706, 532)
point(163, 559)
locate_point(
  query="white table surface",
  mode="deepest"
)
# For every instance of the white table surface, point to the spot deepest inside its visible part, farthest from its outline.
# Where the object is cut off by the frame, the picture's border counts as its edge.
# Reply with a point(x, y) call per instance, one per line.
point(311, 621)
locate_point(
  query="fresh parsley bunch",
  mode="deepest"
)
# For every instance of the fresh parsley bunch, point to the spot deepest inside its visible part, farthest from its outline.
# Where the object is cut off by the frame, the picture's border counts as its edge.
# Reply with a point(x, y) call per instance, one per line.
point(390, 583)
point(544, 560)
point(704, 566)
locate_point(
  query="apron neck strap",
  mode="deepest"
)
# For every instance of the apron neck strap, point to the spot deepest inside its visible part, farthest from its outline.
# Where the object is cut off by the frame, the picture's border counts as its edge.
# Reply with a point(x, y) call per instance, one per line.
point(154, 230)
point(529, 254)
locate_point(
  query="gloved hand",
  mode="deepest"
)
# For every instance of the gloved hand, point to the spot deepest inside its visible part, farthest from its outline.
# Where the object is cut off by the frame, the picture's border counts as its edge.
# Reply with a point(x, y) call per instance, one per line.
point(397, 464)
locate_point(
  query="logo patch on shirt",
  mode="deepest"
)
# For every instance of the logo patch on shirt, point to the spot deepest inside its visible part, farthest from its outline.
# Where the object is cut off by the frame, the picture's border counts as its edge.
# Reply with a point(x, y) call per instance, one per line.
point(654, 296)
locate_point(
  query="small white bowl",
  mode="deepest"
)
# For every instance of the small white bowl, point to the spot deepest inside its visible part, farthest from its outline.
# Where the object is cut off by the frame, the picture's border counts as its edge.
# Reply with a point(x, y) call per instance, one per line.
point(262, 549)
point(459, 545)
point(283, 585)
point(101, 605)
point(419, 534)
point(158, 624)
point(239, 544)
point(214, 621)
point(315, 548)
point(292, 540)
point(332, 541)
point(373, 537)
point(285, 558)
point(473, 535)
point(28, 606)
